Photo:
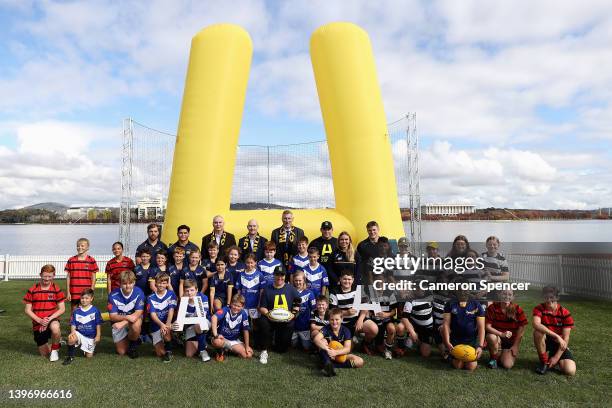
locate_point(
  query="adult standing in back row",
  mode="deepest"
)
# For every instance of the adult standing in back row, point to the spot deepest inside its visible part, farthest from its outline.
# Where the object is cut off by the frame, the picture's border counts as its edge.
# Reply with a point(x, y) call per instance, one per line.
point(223, 238)
point(152, 243)
point(371, 247)
point(286, 239)
point(327, 244)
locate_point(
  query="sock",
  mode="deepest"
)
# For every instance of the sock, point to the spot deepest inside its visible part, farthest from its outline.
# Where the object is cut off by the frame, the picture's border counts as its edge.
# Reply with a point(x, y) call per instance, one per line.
point(133, 344)
point(201, 342)
point(388, 346)
point(55, 346)
point(324, 356)
point(71, 350)
point(494, 356)
point(168, 346)
point(543, 357)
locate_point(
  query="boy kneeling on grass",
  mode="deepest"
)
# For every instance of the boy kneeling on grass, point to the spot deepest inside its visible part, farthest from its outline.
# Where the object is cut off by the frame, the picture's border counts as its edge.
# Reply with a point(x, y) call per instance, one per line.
point(44, 304)
point(334, 331)
point(85, 327)
point(126, 307)
point(226, 326)
point(160, 306)
point(552, 324)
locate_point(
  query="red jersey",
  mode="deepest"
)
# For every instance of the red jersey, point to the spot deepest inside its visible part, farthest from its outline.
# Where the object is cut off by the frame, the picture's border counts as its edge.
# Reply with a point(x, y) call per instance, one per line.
point(497, 317)
point(82, 274)
point(555, 320)
point(44, 301)
point(114, 269)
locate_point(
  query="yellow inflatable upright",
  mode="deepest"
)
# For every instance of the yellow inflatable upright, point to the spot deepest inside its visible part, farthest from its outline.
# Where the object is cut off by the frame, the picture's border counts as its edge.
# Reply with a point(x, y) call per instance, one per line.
point(355, 123)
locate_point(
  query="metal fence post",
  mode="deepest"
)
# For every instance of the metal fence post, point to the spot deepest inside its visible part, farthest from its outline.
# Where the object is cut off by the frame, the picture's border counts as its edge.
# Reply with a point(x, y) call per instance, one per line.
point(561, 277)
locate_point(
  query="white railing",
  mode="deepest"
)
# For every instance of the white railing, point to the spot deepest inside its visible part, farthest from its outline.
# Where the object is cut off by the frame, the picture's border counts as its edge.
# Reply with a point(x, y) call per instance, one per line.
point(28, 266)
point(573, 275)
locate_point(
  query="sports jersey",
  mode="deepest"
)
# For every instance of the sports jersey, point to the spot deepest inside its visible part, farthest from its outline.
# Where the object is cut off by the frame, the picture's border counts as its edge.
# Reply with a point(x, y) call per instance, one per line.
point(142, 277)
point(161, 305)
point(154, 249)
point(209, 265)
point(326, 248)
point(343, 335)
point(82, 273)
point(298, 263)
point(230, 325)
point(438, 303)
point(555, 320)
point(234, 270)
point(318, 320)
point(284, 297)
point(220, 284)
point(495, 265)
point(175, 276)
point(125, 305)
point(267, 269)
point(498, 318)
point(249, 284)
point(189, 247)
point(114, 268)
point(387, 303)
point(344, 301)
point(419, 312)
point(316, 278)
point(190, 311)
point(340, 262)
point(197, 275)
point(307, 304)
point(463, 321)
point(86, 321)
point(44, 301)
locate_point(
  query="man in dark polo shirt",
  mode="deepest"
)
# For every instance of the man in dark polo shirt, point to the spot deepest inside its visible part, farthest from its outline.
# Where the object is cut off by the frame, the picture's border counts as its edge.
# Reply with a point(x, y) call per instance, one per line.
point(372, 247)
point(223, 238)
point(152, 243)
point(327, 244)
point(280, 295)
point(182, 233)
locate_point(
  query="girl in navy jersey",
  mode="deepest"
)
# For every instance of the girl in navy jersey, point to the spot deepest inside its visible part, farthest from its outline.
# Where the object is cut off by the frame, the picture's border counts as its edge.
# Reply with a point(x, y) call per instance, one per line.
point(194, 271)
point(221, 286)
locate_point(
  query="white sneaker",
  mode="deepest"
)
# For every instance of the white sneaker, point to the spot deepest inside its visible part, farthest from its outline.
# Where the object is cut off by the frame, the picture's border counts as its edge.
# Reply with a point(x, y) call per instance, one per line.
point(388, 354)
point(408, 343)
point(263, 357)
point(204, 355)
point(54, 356)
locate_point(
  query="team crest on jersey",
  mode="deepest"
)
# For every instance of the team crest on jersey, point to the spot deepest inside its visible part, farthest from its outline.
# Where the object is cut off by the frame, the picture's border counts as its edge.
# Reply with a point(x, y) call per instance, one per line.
point(50, 296)
point(233, 323)
point(249, 283)
point(471, 312)
point(84, 319)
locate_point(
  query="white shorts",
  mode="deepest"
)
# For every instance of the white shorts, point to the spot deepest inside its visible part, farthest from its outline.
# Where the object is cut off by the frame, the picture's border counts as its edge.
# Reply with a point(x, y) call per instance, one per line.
point(120, 334)
point(228, 344)
point(302, 337)
point(253, 313)
point(85, 343)
point(156, 337)
point(190, 332)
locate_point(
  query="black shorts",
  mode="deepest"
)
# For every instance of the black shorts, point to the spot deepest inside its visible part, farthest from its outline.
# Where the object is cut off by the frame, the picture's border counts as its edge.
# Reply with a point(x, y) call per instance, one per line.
point(42, 337)
point(425, 334)
point(552, 347)
point(506, 343)
point(350, 324)
point(382, 329)
point(437, 336)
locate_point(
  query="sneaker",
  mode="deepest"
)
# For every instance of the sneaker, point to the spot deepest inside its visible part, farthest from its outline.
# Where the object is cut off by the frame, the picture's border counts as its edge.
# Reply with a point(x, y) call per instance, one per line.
point(68, 360)
point(220, 357)
point(132, 353)
point(62, 342)
point(541, 368)
point(388, 354)
point(356, 340)
point(263, 357)
point(54, 356)
point(492, 363)
point(167, 357)
point(204, 356)
point(328, 369)
point(408, 343)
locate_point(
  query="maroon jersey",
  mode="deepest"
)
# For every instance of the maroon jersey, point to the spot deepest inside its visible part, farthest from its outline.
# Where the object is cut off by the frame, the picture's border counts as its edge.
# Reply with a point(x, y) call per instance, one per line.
point(496, 316)
point(114, 269)
point(82, 274)
point(44, 301)
point(555, 320)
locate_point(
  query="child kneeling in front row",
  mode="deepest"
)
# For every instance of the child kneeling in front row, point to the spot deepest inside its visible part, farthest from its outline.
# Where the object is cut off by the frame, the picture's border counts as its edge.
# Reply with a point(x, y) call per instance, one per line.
point(334, 331)
point(126, 307)
point(85, 327)
point(226, 325)
point(195, 337)
point(160, 306)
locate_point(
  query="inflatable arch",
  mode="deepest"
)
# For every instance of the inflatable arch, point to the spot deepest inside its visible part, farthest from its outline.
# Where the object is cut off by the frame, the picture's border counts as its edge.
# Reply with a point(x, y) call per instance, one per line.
point(355, 124)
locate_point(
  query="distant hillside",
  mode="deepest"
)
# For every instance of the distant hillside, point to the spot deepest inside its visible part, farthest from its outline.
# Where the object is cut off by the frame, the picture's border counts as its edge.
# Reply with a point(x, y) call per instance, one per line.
point(256, 206)
point(53, 207)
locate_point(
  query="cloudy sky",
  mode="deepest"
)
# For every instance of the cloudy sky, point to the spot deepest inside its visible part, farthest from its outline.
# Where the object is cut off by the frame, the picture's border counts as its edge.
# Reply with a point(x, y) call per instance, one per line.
point(512, 97)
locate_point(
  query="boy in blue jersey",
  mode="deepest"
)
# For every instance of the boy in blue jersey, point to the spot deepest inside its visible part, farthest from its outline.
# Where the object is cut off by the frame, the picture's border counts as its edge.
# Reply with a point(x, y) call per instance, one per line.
point(464, 323)
point(315, 274)
point(226, 325)
point(176, 269)
point(221, 286)
point(300, 260)
point(301, 325)
point(249, 284)
point(160, 307)
point(126, 307)
point(209, 262)
point(267, 265)
point(85, 331)
point(195, 272)
point(142, 272)
point(195, 337)
point(334, 331)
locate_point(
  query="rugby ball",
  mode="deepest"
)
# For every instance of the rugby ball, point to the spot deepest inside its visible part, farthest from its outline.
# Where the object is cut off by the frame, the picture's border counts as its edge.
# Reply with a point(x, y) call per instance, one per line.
point(280, 315)
point(464, 352)
point(336, 345)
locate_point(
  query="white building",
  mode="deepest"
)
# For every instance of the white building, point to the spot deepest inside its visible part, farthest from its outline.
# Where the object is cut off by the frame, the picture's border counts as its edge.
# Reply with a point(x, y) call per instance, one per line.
point(150, 209)
point(75, 213)
point(448, 209)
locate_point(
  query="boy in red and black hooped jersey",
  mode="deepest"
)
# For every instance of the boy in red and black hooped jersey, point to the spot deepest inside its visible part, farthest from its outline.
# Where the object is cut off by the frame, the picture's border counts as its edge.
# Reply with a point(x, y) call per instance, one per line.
point(552, 324)
point(44, 304)
point(80, 272)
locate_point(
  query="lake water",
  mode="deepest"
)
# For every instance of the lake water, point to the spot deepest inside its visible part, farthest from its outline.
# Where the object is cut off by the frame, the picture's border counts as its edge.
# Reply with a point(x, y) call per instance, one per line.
point(583, 236)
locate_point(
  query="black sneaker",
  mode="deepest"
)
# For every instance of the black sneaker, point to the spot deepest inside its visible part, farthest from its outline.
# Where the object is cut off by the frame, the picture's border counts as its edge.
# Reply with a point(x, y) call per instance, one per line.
point(328, 369)
point(68, 360)
point(541, 368)
point(167, 357)
point(132, 353)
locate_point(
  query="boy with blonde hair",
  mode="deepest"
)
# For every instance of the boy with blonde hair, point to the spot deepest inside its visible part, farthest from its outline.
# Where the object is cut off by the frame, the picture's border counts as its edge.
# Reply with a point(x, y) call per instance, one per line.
point(81, 272)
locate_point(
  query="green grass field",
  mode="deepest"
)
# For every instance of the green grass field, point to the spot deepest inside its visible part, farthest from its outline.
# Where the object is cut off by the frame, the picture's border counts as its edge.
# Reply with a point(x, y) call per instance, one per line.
point(293, 380)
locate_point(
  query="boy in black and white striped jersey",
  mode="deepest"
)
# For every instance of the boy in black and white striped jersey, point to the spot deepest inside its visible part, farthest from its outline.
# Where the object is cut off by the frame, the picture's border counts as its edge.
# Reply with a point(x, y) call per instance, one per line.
point(417, 320)
point(495, 263)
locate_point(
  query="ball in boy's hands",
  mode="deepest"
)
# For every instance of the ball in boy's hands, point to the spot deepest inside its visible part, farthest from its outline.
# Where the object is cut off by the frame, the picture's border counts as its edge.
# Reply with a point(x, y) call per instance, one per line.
point(464, 352)
point(280, 315)
point(336, 345)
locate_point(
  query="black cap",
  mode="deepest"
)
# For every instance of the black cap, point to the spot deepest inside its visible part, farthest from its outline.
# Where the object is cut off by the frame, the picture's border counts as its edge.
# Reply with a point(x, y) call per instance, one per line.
point(279, 271)
point(326, 225)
